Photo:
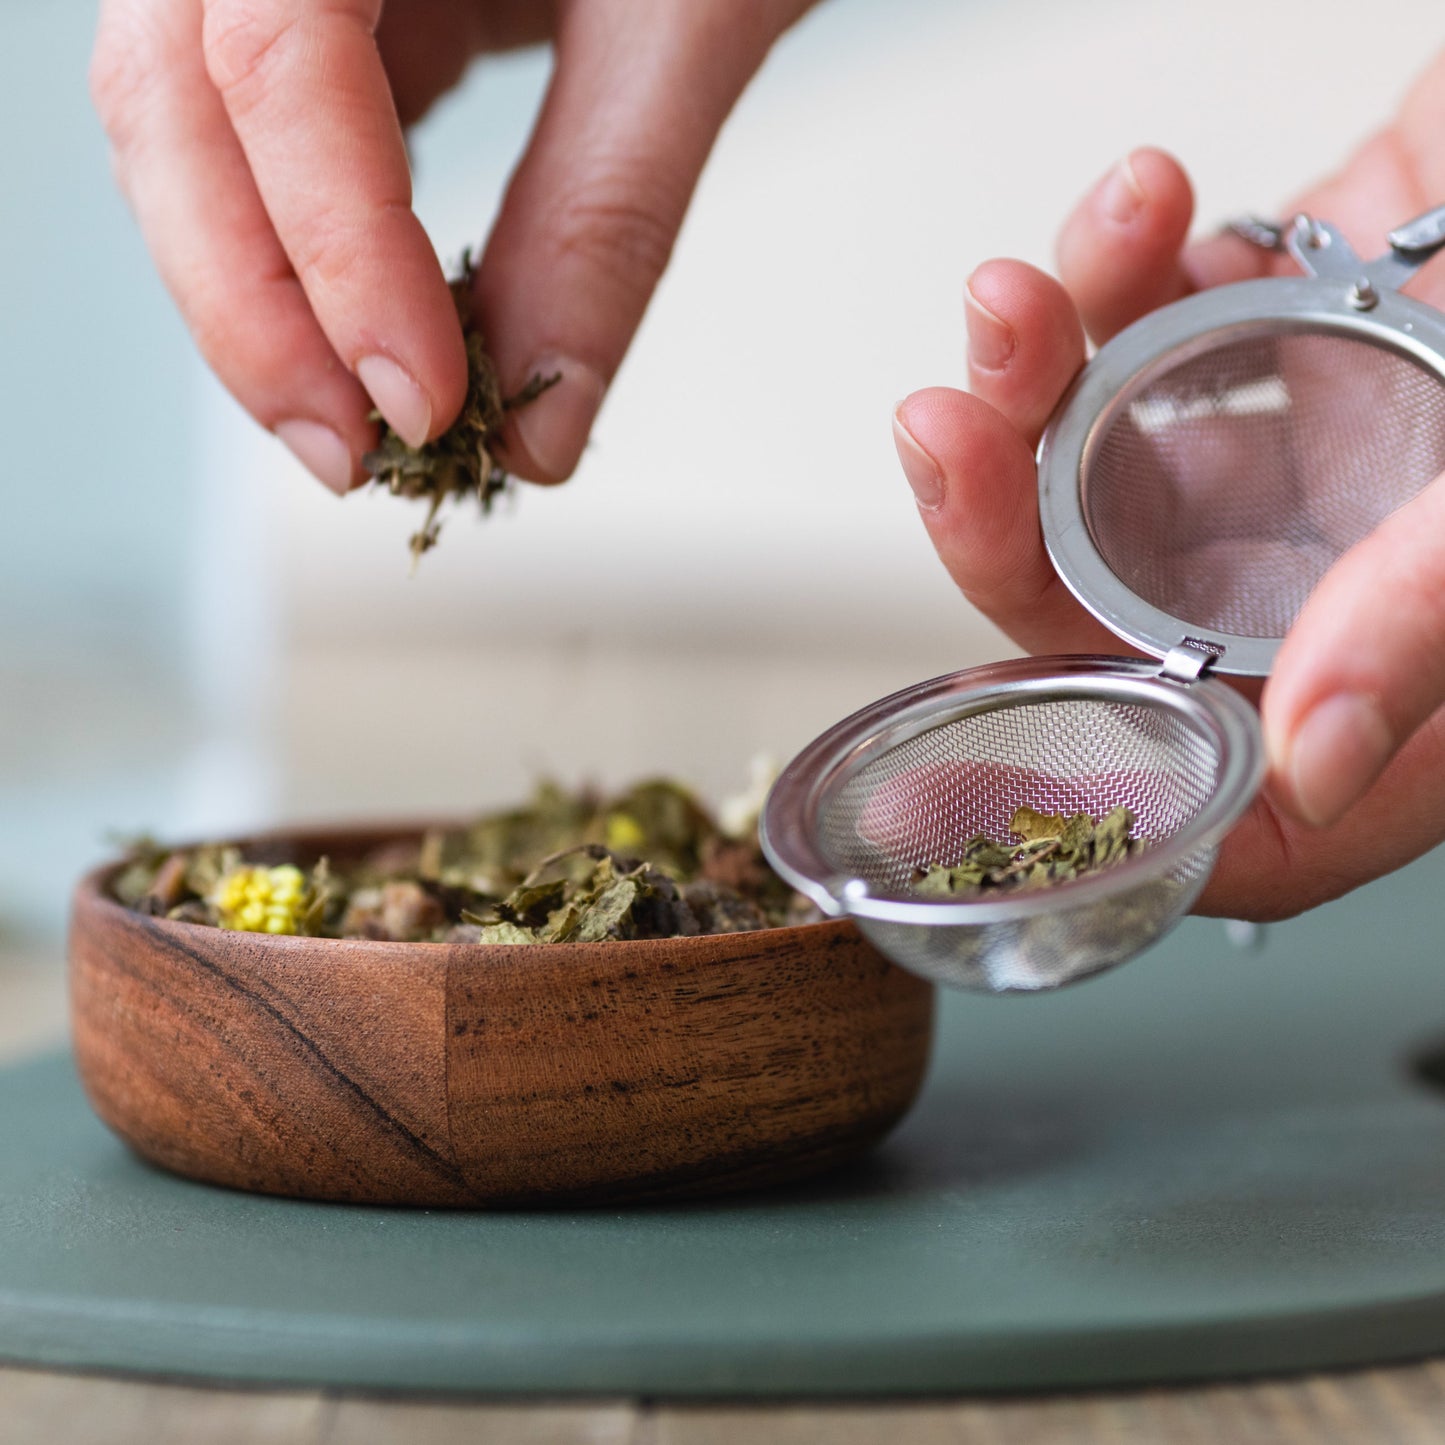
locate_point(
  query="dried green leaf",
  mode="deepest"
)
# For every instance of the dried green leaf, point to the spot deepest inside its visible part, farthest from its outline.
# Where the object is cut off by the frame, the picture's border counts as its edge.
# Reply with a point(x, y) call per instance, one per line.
point(942, 882)
point(1077, 832)
point(1030, 824)
point(606, 915)
point(562, 926)
point(530, 907)
point(986, 854)
point(1111, 836)
point(504, 933)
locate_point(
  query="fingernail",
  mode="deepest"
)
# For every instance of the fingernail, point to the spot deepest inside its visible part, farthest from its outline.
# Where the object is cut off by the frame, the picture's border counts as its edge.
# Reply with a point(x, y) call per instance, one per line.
point(554, 427)
point(991, 341)
point(398, 398)
point(923, 473)
point(1339, 749)
point(320, 450)
point(1121, 196)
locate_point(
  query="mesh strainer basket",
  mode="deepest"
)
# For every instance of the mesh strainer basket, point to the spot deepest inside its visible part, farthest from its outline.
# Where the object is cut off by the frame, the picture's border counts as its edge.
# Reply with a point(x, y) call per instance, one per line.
point(1200, 476)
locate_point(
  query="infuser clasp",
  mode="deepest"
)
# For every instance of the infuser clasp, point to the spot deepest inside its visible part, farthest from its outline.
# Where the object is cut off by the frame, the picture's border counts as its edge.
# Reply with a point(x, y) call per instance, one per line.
point(1189, 660)
point(1320, 249)
point(1423, 236)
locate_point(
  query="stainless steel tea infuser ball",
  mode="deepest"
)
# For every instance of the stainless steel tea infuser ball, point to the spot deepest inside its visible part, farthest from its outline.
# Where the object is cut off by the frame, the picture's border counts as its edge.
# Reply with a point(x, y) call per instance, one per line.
point(1197, 480)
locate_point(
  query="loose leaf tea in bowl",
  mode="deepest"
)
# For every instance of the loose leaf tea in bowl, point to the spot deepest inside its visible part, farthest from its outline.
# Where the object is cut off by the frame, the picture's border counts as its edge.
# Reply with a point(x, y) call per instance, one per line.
point(569, 867)
point(1051, 848)
point(465, 460)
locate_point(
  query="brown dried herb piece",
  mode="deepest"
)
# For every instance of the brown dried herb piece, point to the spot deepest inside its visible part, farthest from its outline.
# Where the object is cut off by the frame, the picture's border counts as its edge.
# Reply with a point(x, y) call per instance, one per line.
point(400, 909)
point(1051, 848)
point(465, 460)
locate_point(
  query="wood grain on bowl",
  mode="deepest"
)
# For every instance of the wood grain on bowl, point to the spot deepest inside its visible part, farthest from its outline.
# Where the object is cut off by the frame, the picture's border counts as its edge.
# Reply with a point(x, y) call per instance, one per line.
point(454, 1074)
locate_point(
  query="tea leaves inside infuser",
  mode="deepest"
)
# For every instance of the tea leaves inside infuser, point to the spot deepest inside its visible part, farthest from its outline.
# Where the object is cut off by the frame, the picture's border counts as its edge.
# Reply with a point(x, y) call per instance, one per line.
point(924, 800)
point(1046, 848)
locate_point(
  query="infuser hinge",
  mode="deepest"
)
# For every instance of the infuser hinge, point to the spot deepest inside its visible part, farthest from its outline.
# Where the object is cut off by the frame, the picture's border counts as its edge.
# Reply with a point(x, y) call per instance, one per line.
point(1321, 250)
point(1189, 660)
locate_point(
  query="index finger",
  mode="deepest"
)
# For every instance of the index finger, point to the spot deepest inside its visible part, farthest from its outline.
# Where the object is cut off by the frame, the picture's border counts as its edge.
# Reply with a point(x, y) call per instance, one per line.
point(307, 94)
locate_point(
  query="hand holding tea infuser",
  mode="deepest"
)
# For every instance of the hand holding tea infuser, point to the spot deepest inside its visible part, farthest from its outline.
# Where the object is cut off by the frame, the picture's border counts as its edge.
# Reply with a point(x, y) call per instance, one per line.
point(1246, 455)
point(260, 145)
point(1351, 711)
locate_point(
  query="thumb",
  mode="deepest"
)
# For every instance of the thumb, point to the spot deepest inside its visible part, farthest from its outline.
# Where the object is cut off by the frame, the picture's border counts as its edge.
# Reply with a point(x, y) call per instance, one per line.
point(1363, 666)
point(639, 93)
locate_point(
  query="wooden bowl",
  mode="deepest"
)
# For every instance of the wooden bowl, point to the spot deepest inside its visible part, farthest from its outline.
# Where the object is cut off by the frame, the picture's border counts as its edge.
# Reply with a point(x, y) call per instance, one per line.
point(454, 1074)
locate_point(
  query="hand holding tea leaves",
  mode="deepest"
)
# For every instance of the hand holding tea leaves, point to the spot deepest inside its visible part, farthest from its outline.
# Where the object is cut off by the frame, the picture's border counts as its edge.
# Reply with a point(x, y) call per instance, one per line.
point(1354, 713)
point(260, 144)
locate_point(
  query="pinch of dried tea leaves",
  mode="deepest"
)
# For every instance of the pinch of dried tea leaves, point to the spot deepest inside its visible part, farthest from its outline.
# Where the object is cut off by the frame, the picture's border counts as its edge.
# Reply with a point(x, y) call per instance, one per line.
point(465, 461)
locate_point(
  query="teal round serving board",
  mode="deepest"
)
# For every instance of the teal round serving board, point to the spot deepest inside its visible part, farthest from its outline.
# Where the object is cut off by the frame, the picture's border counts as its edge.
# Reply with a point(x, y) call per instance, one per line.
point(1213, 1161)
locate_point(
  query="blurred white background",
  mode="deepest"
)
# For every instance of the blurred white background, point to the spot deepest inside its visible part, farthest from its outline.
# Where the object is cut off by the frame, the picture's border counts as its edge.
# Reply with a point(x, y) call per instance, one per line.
point(196, 637)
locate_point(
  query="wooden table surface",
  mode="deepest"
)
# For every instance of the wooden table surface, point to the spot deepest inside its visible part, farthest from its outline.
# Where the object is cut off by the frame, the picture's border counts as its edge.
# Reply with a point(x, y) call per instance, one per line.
point(1402, 1406)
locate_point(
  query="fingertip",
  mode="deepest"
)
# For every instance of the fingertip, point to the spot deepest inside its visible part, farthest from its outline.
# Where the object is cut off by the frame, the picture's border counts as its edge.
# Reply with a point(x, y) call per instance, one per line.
point(973, 475)
point(1025, 341)
point(1147, 195)
point(1015, 291)
point(1362, 666)
point(448, 377)
point(1161, 181)
point(920, 467)
point(984, 520)
point(546, 436)
point(929, 408)
point(1330, 759)
point(958, 430)
point(417, 377)
point(399, 397)
point(322, 451)
point(1119, 253)
point(991, 294)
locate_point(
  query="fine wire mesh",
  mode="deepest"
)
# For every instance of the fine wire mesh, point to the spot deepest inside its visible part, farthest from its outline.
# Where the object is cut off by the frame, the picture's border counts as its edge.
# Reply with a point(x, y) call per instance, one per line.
point(921, 800)
point(1222, 488)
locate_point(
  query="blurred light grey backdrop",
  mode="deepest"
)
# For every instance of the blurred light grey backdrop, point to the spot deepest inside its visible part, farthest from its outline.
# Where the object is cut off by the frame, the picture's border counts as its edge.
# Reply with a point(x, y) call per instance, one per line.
point(195, 637)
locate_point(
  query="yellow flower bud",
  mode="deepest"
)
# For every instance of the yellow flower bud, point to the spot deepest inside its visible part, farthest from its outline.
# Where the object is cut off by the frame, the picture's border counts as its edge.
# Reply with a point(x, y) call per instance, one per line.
point(624, 833)
point(262, 900)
